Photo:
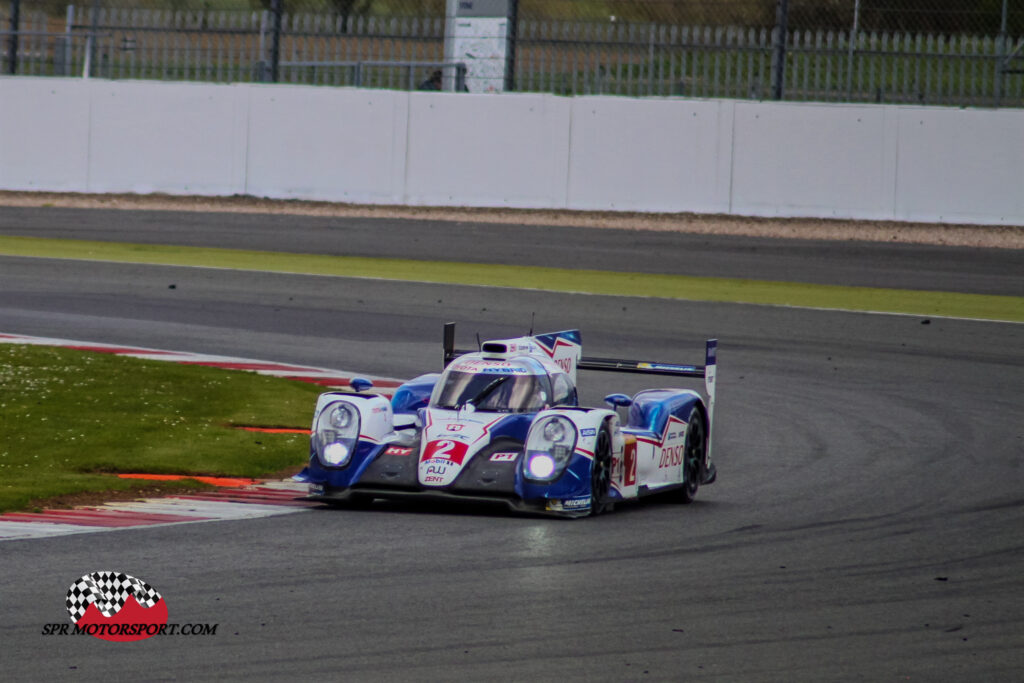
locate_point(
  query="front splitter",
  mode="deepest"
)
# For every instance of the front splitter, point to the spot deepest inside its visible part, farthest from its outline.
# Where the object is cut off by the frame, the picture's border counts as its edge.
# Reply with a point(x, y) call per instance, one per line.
point(539, 507)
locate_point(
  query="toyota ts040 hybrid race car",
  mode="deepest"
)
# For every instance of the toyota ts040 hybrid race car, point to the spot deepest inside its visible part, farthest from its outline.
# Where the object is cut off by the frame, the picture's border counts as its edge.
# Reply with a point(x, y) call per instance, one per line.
point(504, 424)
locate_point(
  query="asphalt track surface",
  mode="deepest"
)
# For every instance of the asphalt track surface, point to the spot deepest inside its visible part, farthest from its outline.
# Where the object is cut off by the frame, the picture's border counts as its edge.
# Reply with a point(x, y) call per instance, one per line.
point(869, 264)
point(866, 524)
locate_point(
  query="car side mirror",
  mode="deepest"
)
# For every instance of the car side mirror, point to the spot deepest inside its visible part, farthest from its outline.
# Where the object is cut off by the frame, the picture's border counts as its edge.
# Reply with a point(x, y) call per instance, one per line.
point(360, 384)
point(618, 400)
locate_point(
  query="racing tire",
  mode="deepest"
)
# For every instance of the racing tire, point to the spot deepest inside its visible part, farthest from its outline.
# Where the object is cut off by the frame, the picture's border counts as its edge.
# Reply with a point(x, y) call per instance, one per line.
point(353, 502)
point(601, 473)
point(695, 449)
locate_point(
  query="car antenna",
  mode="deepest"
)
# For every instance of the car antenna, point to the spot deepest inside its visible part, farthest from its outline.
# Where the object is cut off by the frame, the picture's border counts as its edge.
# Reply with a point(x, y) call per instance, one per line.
point(479, 346)
point(533, 315)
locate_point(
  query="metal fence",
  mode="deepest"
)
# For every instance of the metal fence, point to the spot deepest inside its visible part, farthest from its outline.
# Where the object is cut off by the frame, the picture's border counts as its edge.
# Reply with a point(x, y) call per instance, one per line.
point(610, 56)
point(740, 63)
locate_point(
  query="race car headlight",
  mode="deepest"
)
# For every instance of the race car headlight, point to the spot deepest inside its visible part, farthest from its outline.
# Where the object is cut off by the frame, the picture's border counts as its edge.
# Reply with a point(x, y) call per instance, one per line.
point(342, 416)
point(549, 448)
point(554, 430)
point(336, 453)
point(541, 466)
point(337, 430)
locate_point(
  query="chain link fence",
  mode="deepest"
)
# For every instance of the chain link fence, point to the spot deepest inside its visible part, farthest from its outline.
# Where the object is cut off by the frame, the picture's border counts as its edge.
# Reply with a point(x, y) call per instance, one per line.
point(952, 52)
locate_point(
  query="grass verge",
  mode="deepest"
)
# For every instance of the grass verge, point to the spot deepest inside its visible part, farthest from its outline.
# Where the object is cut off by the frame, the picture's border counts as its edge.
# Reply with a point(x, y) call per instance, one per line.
point(70, 420)
point(929, 303)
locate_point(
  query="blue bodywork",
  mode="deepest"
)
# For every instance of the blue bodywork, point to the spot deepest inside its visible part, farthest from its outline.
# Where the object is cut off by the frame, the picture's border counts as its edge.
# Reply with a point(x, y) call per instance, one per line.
point(414, 394)
point(651, 409)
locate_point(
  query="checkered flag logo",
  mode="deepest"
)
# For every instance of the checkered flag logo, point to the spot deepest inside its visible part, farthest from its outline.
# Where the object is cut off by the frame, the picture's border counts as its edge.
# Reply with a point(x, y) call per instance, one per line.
point(108, 591)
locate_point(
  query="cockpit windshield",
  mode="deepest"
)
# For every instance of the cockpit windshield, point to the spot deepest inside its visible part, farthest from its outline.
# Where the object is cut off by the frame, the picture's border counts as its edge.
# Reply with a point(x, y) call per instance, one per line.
point(492, 392)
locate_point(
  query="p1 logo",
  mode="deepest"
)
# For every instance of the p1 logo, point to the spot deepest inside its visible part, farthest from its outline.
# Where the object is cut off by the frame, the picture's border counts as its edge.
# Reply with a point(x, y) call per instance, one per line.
point(116, 606)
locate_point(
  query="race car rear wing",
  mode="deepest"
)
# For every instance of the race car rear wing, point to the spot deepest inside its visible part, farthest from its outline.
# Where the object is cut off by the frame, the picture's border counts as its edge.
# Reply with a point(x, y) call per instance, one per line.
point(706, 371)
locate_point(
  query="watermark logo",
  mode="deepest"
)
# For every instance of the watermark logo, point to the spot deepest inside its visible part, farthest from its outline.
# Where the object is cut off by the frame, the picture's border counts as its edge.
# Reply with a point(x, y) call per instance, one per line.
point(119, 607)
point(116, 606)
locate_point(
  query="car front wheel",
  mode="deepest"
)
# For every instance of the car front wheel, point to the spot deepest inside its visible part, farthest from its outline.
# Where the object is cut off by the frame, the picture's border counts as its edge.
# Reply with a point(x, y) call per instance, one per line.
point(601, 473)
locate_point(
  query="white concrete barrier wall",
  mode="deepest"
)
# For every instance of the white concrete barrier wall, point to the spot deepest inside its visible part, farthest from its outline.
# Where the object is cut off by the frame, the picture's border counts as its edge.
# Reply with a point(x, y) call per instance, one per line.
point(44, 134)
point(487, 150)
point(650, 155)
point(171, 137)
point(520, 150)
point(330, 144)
point(813, 160)
point(960, 165)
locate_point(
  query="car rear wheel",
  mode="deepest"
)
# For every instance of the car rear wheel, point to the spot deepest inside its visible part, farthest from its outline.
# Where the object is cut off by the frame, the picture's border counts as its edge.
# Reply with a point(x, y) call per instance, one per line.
point(601, 473)
point(695, 448)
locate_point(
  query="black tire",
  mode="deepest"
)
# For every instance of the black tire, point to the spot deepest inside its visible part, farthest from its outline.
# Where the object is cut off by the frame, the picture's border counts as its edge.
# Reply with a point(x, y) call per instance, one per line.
point(601, 473)
point(355, 501)
point(695, 448)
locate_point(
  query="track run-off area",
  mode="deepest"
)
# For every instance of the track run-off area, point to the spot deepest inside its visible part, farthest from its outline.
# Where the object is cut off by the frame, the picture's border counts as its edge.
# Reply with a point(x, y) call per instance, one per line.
point(865, 524)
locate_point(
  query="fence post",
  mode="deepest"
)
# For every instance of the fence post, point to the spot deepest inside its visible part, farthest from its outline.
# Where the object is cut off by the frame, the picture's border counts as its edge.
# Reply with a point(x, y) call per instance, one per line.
point(12, 42)
point(69, 22)
point(510, 59)
point(451, 8)
point(90, 43)
point(779, 48)
point(460, 77)
point(853, 46)
point(275, 39)
point(1001, 59)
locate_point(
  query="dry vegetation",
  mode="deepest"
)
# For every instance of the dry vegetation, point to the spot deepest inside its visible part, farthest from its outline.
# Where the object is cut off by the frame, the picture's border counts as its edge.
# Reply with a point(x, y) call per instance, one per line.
point(1009, 237)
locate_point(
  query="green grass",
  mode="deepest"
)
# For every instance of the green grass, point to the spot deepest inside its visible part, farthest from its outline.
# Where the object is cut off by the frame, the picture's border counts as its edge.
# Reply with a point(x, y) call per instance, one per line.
point(69, 419)
point(928, 303)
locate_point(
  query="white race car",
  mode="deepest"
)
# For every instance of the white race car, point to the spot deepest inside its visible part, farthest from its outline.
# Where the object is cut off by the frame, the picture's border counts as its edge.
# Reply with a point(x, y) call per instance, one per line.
point(503, 424)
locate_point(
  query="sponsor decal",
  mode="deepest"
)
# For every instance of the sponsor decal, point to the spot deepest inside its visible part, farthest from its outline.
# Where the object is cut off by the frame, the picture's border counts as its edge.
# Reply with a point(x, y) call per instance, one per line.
point(665, 366)
point(671, 456)
point(445, 449)
point(454, 427)
point(491, 367)
point(119, 607)
point(629, 463)
point(666, 435)
point(398, 450)
point(568, 504)
point(590, 431)
point(504, 371)
point(316, 489)
point(503, 457)
point(564, 363)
